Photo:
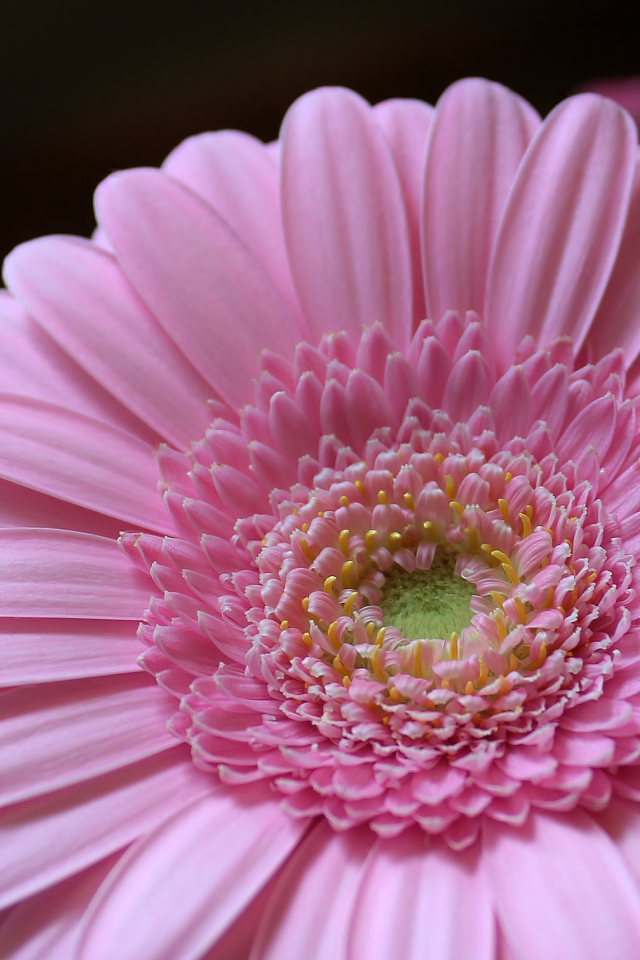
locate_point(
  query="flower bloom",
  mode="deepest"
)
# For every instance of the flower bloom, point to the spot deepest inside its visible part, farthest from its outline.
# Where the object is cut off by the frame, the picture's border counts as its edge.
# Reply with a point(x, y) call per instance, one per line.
point(380, 571)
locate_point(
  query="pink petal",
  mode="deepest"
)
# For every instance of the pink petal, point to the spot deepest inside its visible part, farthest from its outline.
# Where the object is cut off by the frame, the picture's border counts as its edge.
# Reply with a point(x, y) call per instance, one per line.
point(39, 368)
point(23, 507)
point(510, 403)
point(479, 135)
point(562, 890)
point(87, 462)
point(417, 902)
point(621, 820)
point(594, 426)
point(344, 220)
point(49, 923)
point(41, 651)
point(61, 574)
point(310, 910)
point(406, 124)
point(562, 226)
point(61, 733)
point(175, 893)
point(466, 388)
point(617, 321)
point(205, 286)
point(81, 297)
point(238, 176)
point(49, 838)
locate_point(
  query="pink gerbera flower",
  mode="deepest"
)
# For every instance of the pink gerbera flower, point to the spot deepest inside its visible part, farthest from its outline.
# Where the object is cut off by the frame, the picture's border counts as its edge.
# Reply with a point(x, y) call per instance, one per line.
point(386, 595)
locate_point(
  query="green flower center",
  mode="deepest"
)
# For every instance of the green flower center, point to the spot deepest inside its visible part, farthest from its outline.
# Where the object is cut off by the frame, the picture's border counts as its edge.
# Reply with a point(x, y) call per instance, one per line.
point(427, 604)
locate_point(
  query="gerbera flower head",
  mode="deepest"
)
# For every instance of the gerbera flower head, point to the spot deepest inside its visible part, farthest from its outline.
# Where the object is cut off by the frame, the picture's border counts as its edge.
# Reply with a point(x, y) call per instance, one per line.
point(383, 375)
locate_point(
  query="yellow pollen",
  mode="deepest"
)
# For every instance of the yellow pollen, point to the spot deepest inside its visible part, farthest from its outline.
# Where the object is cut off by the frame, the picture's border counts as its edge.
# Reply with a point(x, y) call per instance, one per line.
point(284, 625)
point(498, 598)
point(520, 607)
point(346, 681)
point(264, 541)
point(439, 458)
point(344, 501)
point(500, 624)
point(349, 602)
point(453, 646)
point(370, 628)
point(305, 528)
point(469, 688)
point(484, 673)
point(332, 635)
point(510, 572)
point(549, 531)
point(504, 508)
point(370, 540)
point(348, 569)
point(328, 585)
point(507, 477)
point(548, 602)
point(307, 639)
point(305, 604)
point(449, 486)
point(561, 610)
point(430, 530)
point(394, 695)
point(502, 557)
point(474, 543)
point(382, 497)
point(457, 507)
point(417, 660)
point(408, 499)
point(395, 540)
point(359, 485)
point(486, 547)
point(339, 665)
point(545, 562)
point(527, 529)
point(529, 511)
point(321, 513)
point(445, 684)
point(504, 686)
point(377, 665)
point(295, 511)
point(343, 541)
point(514, 663)
point(306, 549)
point(590, 578)
point(380, 636)
point(542, 656)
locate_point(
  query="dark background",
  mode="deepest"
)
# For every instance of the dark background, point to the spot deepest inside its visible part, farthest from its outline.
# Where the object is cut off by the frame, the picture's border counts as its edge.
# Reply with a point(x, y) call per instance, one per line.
point(88, 87)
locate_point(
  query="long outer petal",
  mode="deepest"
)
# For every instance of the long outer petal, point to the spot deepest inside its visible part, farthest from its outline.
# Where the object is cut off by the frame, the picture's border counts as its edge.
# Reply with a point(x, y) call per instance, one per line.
point(480, 133)
point(175, 893)
point(344, 219)
point(206, 287)
point(562, 889)
point(81, 297)
point(417, 902)
point(406, 124)
point(88, 462)
point(562, 226)
point(63, 574)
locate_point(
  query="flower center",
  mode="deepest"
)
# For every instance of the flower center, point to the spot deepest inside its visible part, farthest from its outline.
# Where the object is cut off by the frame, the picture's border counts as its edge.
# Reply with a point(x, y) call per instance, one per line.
point(427, 604)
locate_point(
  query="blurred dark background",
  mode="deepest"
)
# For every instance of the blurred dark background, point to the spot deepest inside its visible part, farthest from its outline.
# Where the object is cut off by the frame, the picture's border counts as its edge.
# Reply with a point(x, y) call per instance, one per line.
point(88, 87)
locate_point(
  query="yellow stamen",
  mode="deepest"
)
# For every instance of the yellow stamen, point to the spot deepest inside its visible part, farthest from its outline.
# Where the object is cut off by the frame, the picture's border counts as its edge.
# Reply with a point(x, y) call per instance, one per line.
point(474, 542)
point(343, 501)
point(502, 557)
point(500, 624)
point(498, 598)
point(306, 549)
point(484, 673)
point(346, 681)
point(339, 665)
point(504, 508)
point(348, 569)
point(430, 530)
point(453, 646)
point(529, 511)
point(522, 611)
point(439, 458)
point(510, 572)
point(395, 540)
point(328, 585)
point(469, 688)
point(377, 665)
point(408, 499)
point(370, 627)
point(561, 609)
point(370, 540)
point(449, 486)
point(590, 577)
point(349, 602)
point(380, 636)
point(527, 529)
point(359, 485)
point(504, 686)
point(417, 660)
point(284, 625)
point(542, 656)
point(307, 639)
point(305, 604)
point(445, 684)
point(305, 528)
point(514, 663)
point(382, 497)
point(508, 476)
point(343, 541)
point(486, 547)
point(332, 635)
point(457, 507)
point(548, 602)
point(394, 695)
